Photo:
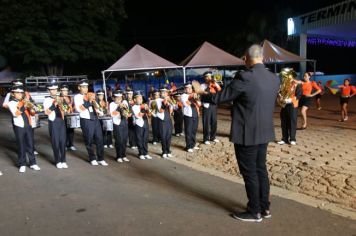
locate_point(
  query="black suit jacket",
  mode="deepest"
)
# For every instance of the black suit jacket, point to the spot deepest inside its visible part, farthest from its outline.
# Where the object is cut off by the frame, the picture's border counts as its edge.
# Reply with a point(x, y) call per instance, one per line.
point(253, 93)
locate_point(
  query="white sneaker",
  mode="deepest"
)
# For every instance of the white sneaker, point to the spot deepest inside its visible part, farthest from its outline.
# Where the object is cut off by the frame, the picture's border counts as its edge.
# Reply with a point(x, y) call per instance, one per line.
point(94, 163)
point(142, 157)
point(35, 167)
point(207, 143)
point(181, 134)
point(293, 143)
point(134, 147)
point(125, 159)
point(196, 148)
point(35, 152)
point(111, 146)
point(177, 135)
point(216, 140)
point(103, 163)
point(59, 165)
point(281, 142)
point(105, 146)
point(22, 169)
point(169, 155)
point(148, 157)
point(0, 173)
point(73, 148)
point(164, 156)
point(64, 165)
point(120, 160)
point(154, 143)
point(190, 150)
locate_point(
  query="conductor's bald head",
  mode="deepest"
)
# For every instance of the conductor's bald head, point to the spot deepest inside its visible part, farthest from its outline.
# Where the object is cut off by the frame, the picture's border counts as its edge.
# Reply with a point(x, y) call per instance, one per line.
point(253, 55)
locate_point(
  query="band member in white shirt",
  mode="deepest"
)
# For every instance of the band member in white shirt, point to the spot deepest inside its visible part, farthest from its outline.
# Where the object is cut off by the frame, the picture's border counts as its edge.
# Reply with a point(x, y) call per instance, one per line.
point(165, 109)
point(53, 107)
point(119, 111)
point(140, 113)
point(132, 135)
point(21, 114)
point(191, 106)
point(89, 123)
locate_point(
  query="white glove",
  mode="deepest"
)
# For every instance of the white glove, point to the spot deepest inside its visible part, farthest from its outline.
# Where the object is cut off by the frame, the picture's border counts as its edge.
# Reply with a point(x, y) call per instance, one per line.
point(288, 100)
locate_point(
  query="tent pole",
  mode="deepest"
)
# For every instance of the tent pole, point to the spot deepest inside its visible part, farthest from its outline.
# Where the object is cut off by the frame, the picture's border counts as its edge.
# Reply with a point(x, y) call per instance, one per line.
point(184, 75)
point(104, 87)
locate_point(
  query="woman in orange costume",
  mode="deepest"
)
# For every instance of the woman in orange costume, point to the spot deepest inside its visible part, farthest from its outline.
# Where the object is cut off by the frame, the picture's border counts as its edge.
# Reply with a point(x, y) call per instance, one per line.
point(306, 99)
point(347, 91)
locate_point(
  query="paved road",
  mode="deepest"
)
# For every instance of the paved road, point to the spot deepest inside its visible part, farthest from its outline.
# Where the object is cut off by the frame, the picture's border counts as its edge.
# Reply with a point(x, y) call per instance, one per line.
point(156, 197)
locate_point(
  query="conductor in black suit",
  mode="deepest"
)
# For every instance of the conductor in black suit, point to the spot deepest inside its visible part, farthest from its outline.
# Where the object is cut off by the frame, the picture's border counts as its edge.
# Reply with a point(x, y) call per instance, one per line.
point(253, 93)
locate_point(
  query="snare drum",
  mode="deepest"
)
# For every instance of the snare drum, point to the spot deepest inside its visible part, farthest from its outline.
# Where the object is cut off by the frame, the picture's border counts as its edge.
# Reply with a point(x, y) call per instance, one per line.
point(73, 120)
point(35, 121)
point(107, 123)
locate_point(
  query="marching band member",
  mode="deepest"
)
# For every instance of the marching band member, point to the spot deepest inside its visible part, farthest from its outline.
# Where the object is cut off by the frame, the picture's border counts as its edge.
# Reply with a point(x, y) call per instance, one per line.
point(288, 98)
point(89, 123)
point(209, 118)
point(53, 107)
point(107, 135)
point(132, 134)
point(178, 116)
point(68, 102)
point(165, 109)
point(306, 98)
point(347, 91)
point(191, 116)
point(140, 112)
point(119, 111)
point(27, 97)
point(22, 128)
point(154, 119)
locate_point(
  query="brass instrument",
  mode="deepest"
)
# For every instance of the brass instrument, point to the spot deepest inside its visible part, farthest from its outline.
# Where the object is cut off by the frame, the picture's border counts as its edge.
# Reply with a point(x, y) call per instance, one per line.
point(287, 87)
point(217, 78)
point(62, 106)
point(29, 105)
point(153, 107)
point(125, 110)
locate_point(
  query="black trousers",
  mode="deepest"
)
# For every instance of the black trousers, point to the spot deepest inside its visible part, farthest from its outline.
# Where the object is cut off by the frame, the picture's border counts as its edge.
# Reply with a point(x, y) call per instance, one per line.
point(252, 165)
point(57, 132)
point(132, 133)
point(155, 129)
point(121, 133)
point(24, 140)
point(91, 130)
point(142, 139)
point(70, 137)
point(165, 130)
point(288, 116)
point(210, 122)
point(190, 130)
point(178, 121)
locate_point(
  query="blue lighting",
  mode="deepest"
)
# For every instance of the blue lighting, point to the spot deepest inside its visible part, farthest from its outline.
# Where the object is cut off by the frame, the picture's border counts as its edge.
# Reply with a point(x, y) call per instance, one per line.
point(331, 42)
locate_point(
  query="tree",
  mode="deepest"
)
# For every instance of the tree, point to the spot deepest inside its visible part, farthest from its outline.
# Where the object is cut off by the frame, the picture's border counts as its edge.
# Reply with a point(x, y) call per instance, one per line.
point(51, 34)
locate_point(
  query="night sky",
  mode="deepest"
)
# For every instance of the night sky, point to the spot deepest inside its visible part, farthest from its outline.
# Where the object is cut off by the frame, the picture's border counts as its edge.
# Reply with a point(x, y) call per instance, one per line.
point(173, 29)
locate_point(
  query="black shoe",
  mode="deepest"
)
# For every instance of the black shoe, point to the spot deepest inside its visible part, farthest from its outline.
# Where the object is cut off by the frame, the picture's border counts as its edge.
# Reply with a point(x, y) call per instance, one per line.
point(248, 217)
point(266, 214)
